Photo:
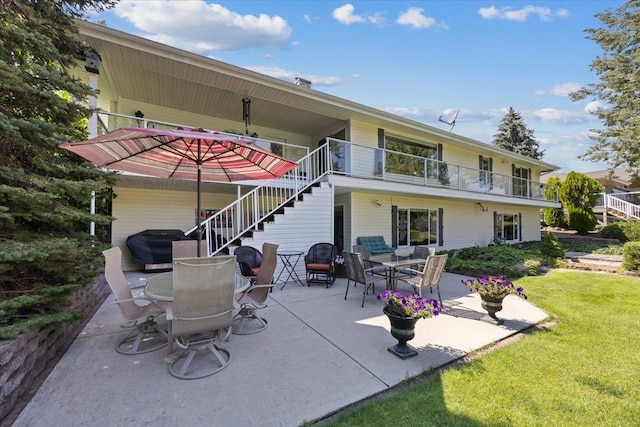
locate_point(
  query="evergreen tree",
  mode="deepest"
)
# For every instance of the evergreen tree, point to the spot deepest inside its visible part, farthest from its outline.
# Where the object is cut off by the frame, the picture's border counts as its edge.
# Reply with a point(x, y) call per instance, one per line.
point(513, 135)
point(44, 191)
point(553, 217)
point(579, 193)
point(618, 68)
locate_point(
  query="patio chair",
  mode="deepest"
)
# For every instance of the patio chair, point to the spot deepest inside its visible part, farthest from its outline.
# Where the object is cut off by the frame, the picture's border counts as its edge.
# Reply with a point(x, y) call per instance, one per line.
point(201, 314)
point(429, 276)
point(357, 273)
point(249, 260)
point(255, 296)
point(188, 248)
point(365, 250)
point(318, 263)
point(145, 336)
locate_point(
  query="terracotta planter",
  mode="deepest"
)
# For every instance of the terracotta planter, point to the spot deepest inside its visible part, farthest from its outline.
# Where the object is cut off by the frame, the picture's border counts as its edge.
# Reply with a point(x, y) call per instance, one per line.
point(402, 329)
point(492, 305)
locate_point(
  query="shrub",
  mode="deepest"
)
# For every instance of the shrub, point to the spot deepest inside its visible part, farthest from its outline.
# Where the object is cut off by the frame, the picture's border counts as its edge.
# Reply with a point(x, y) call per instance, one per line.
point(631, 256)
point(581, 220)
point(554, 217)
point(531, 267)
point(631, 230)
point(614, 231)
point(550, 246)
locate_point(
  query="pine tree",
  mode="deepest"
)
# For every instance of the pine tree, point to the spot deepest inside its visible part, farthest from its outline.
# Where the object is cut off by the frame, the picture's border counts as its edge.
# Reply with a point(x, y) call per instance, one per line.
point(513, 135)
point(44, 191)
point(618, 68)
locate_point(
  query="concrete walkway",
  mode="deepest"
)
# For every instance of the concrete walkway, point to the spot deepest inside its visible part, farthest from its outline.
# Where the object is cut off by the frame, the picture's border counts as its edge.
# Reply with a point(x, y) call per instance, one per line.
point(319, 354)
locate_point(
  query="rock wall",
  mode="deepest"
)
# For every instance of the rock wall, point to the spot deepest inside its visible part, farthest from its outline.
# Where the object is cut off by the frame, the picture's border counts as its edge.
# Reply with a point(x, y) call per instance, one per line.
point(26, 360)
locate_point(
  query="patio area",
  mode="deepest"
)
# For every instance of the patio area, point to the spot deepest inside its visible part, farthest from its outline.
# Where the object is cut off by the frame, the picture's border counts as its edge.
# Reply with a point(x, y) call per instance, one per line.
point(319, 354)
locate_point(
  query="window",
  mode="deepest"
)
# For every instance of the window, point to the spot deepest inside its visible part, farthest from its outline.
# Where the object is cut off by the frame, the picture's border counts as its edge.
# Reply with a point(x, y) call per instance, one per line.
point(486, 177)
point(521, 178)
point(407, 165)
point(418, 227)
point(507, 227)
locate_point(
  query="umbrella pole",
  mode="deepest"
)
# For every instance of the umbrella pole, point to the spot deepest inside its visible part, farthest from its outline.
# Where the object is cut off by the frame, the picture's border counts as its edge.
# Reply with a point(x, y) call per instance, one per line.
point(199, 234)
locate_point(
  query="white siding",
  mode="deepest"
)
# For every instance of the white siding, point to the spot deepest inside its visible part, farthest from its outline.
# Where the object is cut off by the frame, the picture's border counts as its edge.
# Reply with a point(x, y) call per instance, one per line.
point(310, 221)
point(464, 223)
point(136, 210)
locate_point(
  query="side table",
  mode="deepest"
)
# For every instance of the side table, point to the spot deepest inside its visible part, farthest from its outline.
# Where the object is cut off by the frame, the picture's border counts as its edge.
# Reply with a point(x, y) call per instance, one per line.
point(289, 261)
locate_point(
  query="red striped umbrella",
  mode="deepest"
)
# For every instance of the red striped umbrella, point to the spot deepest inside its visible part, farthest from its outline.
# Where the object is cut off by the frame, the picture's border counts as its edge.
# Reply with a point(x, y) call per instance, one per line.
point(195, 154)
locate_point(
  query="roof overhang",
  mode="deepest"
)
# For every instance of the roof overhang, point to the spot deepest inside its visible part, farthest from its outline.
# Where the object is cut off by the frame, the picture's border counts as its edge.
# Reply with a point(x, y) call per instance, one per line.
point(149, 72)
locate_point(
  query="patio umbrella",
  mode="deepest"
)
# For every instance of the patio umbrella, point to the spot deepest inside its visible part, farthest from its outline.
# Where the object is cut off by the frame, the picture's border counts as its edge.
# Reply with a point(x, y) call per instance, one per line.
point(195, 154)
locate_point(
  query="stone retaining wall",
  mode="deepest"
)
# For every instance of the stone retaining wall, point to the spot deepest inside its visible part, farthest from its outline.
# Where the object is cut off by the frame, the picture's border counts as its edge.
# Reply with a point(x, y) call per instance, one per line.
point(26, 360)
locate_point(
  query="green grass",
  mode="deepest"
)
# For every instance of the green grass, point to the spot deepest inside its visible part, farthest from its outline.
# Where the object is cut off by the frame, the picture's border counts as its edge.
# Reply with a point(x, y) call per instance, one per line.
point(583, 371)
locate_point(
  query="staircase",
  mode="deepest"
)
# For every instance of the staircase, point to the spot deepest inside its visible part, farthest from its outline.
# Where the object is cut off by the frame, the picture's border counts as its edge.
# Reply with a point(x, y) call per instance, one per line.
point(258, 216)
point(613, 204)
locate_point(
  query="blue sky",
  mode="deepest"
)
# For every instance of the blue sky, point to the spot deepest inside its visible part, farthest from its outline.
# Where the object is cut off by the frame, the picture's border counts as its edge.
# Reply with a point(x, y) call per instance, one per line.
point(417, 59)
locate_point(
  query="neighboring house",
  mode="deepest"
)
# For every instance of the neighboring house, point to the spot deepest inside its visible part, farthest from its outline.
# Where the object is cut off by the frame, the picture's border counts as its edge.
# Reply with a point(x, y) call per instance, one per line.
point(621, 196)
point(370, 172)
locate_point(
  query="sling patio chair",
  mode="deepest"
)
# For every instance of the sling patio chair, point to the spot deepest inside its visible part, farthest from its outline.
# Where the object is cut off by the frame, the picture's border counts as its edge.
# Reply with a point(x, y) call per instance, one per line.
point(357, 273)
point(254, 297)
point(429, 276)
point(145, 335)
point(201, 314)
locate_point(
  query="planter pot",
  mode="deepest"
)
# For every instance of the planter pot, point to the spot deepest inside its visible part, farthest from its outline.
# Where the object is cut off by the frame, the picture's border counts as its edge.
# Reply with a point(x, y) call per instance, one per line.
point(492, 305)
point(402, 329)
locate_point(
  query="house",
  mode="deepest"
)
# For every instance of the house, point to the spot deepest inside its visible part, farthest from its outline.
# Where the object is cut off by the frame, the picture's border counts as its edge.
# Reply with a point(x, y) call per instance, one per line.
point(361, 172)
point(621, 198)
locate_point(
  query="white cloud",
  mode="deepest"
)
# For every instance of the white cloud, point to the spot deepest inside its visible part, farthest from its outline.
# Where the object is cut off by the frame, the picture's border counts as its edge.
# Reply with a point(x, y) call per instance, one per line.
point(289, 76)
point(555, 115)
point(414, 17)
point(200, 27)
point(593, 106)
point(306, 18)
point(344, 14)
point(563, 89)
point(521, 15)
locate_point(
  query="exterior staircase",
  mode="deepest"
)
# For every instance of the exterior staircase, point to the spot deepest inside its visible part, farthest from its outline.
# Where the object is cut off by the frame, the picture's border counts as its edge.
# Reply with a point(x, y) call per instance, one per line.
point(615, 205)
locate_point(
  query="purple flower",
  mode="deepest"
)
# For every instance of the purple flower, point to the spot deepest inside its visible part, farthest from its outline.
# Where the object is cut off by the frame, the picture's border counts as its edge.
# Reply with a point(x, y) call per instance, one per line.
point(410, 305)
point(494, 286)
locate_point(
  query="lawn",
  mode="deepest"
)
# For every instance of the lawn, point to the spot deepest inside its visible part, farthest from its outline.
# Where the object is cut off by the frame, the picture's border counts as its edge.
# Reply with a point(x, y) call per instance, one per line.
point(582, 371)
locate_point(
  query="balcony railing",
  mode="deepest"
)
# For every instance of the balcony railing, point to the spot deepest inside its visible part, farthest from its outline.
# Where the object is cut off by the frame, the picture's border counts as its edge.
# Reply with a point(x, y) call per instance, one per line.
point(351, 159)
point(108, 122)
point(355, 160)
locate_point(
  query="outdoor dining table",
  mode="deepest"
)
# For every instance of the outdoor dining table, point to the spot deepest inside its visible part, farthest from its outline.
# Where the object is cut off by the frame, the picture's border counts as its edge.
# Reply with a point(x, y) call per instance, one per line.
point(394, 262)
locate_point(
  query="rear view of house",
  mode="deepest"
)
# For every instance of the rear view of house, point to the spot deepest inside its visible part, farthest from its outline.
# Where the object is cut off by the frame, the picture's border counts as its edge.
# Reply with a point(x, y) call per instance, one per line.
point(361, 171)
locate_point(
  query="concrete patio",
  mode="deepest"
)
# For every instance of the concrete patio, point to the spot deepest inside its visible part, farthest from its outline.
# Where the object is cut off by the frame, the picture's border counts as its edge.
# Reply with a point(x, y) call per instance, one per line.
point(319, 354)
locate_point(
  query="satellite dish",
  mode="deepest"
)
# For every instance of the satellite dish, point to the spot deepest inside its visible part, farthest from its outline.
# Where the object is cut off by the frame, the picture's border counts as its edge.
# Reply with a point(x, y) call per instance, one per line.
point(449, 118)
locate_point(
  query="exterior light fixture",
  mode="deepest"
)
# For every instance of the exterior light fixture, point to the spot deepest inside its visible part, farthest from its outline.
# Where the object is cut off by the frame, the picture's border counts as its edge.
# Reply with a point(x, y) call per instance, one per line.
point(484, 208)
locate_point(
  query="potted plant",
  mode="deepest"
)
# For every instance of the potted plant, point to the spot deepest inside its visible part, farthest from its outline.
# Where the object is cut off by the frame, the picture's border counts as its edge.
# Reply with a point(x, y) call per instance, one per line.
point(403, 312)
point(492, 290)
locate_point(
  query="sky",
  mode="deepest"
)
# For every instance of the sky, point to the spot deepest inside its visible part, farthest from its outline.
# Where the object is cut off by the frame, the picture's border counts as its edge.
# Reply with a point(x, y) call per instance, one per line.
point(421, 60)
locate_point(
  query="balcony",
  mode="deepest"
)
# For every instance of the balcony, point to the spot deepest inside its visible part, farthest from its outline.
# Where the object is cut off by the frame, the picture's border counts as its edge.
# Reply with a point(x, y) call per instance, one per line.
point(354, 160)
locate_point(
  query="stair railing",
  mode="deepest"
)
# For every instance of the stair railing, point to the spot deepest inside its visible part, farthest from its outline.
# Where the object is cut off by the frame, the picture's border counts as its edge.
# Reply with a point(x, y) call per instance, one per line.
point(227, 225)
point(630, 210)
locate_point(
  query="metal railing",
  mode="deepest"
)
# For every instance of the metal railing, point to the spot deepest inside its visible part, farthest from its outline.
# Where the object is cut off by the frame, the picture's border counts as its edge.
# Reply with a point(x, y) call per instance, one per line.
point(245, 214)
point(356, 160)
point(108, 122)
